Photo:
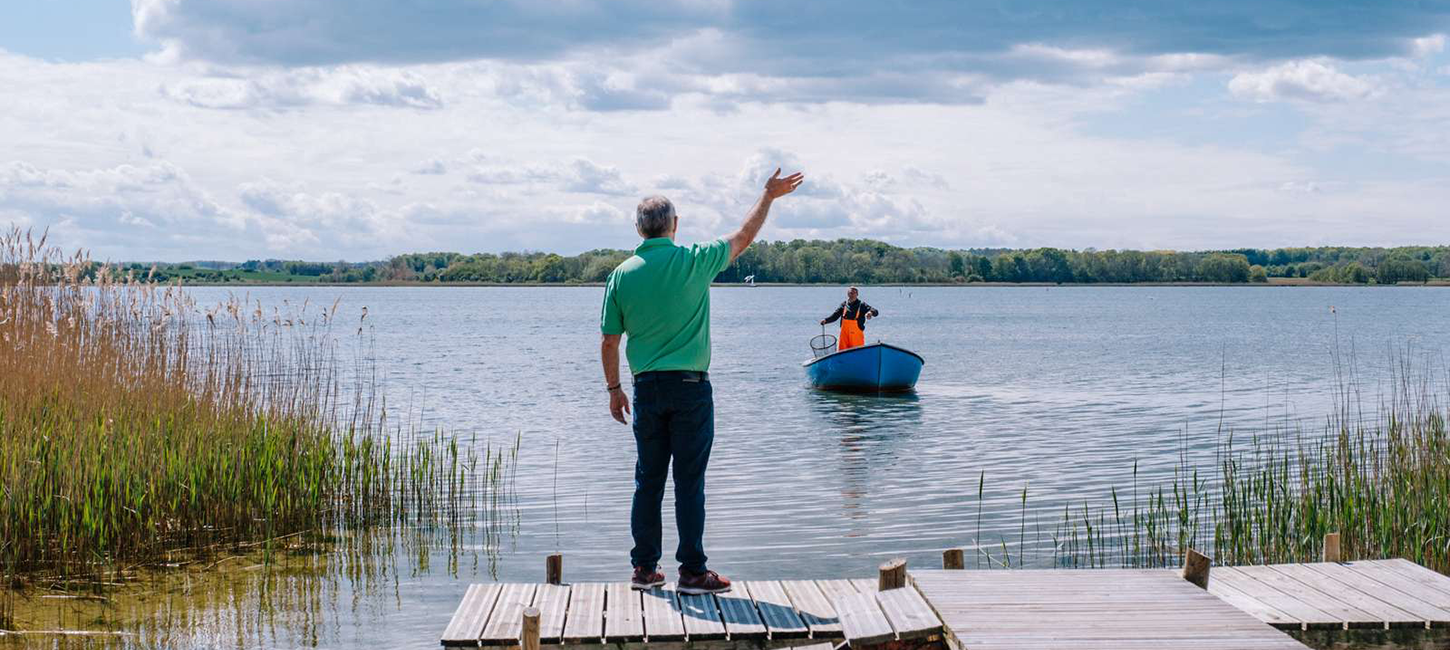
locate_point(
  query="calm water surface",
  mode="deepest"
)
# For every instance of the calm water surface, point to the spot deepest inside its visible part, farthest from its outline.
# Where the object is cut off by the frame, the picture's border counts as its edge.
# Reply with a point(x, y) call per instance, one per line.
point(1059, 390)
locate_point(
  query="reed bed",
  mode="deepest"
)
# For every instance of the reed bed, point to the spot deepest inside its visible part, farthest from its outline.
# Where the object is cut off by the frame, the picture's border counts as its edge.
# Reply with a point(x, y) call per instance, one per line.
point(139, 428)
point(1382, 481)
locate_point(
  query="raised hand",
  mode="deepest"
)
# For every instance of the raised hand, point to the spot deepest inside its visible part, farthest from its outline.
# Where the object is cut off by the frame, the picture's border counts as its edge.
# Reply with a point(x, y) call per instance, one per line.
point(776, 187)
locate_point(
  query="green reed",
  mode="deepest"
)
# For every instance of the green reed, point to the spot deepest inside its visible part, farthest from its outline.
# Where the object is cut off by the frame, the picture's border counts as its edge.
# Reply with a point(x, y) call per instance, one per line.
point(138, 428)
point(1381, 481)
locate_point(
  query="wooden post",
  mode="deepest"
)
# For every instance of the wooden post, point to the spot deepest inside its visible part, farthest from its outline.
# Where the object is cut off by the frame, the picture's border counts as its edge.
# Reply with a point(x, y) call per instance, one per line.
point(953, 558)
point(1195, 568)
point(1331, 548)
point(529, 640)
point(893, 575)
point(554, 569)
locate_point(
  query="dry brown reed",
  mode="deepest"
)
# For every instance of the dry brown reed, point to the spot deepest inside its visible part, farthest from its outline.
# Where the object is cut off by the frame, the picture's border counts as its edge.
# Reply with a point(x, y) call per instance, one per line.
point(136, 425)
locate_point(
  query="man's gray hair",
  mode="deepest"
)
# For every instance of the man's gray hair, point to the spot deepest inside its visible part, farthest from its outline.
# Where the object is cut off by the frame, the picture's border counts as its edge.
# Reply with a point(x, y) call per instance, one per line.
point(654, 217)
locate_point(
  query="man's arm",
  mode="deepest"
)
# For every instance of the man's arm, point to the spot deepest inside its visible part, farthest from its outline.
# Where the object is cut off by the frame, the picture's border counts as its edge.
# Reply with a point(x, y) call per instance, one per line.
point(775, 187)
point(834, 315)
point(609, 356)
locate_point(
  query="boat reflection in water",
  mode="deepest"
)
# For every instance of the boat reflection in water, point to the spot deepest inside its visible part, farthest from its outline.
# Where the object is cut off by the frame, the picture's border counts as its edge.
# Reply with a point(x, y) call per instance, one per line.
point(870, 428)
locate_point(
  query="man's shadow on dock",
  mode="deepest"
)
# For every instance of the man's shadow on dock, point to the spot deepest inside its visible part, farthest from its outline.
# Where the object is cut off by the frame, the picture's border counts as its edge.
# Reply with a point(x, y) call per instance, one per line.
point(736, 608)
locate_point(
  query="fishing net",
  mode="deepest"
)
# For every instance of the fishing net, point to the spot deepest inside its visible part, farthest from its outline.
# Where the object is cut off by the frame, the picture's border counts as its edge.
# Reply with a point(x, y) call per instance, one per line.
point(823, 344)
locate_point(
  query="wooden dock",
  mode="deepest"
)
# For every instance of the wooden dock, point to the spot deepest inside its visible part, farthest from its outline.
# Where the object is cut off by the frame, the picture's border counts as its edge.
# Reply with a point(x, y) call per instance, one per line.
point(766, 613)
point(1089, 609)
point(1239, 608)
point(1374, 594)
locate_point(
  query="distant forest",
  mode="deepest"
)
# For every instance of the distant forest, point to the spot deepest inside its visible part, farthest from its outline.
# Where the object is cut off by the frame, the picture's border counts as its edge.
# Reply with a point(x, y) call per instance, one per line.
point(863, 261)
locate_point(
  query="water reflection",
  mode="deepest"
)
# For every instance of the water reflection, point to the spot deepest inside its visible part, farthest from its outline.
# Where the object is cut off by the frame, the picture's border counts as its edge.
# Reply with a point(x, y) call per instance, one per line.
point(871, 429)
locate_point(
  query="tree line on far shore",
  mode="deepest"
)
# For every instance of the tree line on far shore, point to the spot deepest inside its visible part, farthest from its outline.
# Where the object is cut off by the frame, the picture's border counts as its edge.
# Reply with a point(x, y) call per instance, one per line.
point(863, 261)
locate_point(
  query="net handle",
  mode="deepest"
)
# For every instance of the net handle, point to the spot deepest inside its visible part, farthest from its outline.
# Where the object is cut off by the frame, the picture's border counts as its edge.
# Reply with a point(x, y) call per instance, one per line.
point(825, 347)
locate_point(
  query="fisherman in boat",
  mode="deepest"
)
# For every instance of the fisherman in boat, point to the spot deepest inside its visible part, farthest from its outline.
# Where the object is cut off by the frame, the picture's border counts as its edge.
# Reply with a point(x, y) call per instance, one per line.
point(853, 314)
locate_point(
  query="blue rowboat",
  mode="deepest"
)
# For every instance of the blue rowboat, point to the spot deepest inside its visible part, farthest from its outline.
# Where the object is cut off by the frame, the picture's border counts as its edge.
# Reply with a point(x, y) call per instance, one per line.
point(877, 367)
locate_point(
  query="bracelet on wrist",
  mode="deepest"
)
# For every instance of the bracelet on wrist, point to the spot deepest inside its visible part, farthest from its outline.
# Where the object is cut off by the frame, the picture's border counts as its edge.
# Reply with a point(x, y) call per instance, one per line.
point(614, 388)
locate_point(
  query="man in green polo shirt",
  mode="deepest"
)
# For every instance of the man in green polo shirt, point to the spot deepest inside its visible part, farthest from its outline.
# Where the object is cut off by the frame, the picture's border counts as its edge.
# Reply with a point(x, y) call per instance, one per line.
point(660, 299)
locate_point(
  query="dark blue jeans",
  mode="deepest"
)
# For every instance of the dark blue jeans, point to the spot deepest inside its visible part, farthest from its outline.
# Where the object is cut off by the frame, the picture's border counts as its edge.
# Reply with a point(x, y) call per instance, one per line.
point(674, 419)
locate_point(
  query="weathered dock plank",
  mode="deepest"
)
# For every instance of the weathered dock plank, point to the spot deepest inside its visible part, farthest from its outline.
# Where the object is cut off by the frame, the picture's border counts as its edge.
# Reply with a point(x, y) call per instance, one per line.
point(1340, 611)
point(1374, 594)
point(472, 614)
point(1301, 613)
point(737, 612)
point(1401, 594)
point(813, 607)
point(585, 622)
point(623, 614)
point(1382, 614)
point(1251, 606)
point(862, 621)
point(1118, 609)
point(702, 617)
point(1419, 574)
point(662, 621)
point(507, 622)
point(909, 614)
point(780, 618)
point(552, 602)
point(866, 623)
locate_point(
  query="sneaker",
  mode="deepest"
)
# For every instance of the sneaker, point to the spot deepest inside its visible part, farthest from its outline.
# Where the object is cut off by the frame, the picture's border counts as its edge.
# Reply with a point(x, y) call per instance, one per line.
point(646, 579)
point(708, 582)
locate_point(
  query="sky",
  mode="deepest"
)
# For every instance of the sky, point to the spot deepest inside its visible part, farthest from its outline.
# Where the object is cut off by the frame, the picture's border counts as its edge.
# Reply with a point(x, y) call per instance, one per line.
point(354, 130)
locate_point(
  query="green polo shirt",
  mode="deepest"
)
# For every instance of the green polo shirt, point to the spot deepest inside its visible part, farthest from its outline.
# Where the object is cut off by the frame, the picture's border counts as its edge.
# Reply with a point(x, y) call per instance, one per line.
point(660, 299)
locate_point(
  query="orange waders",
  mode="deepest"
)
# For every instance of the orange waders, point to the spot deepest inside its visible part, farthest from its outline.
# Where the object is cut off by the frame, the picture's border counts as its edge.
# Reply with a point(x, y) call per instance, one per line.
point(851, 335)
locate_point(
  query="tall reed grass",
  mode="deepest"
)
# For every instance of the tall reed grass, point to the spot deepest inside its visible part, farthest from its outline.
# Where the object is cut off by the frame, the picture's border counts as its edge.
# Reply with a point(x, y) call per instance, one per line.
point(1381, 479)
point(138, 427)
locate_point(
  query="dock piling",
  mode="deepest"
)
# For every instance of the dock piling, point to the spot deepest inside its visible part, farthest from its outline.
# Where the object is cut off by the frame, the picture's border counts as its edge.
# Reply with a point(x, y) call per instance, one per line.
point(1195, 568)
point(953, 558)
point(554, 569)
point(1331, 548)
point(893, 575)
point(530, 637)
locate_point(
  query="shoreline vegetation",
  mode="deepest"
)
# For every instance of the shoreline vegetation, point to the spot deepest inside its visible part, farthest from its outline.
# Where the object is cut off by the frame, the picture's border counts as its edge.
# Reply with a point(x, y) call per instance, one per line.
point(858, 261)
point(1379, 477)
point(139, 429)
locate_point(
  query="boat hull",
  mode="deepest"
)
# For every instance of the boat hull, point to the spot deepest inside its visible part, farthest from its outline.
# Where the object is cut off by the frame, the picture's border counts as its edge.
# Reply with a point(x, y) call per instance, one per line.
point(878, 367)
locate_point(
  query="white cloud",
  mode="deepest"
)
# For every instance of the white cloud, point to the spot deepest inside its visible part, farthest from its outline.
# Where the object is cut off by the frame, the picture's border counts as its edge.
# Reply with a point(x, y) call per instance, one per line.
point(628, 55)
point(115, 210)
point(144, 176)
point(348, 85)
point(430, 167)
point(577, 175)
point(599, 213)
point(299, 217)
point(1300, 187)
point(585, 175)
point(1427, 46)
point(1310, 80)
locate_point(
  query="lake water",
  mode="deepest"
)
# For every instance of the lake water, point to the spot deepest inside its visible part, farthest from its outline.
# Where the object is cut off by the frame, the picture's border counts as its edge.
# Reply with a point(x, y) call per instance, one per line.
point(1060, 390)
